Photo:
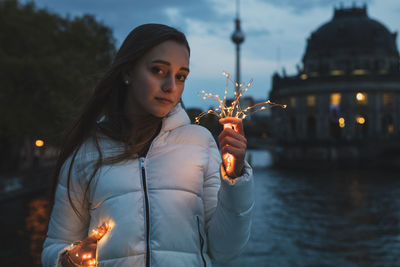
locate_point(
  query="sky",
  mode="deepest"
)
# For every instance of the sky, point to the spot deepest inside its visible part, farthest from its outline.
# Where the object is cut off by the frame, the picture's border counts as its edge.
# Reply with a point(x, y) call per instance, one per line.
point(275, 33)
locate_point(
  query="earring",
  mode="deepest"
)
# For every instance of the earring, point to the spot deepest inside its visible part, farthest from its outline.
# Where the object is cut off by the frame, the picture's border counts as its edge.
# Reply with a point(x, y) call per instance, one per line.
point(126, 82)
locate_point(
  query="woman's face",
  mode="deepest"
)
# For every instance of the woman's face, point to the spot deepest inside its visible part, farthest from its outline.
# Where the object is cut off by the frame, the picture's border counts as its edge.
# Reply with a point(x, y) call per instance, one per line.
point(157, 81)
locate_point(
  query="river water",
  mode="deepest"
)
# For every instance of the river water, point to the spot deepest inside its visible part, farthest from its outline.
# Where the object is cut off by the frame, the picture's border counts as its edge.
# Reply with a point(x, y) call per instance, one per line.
point(324, 218)
point(301, 218)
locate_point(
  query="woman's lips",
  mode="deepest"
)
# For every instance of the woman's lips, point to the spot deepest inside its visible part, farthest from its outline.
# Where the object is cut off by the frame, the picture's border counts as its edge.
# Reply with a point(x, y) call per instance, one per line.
point(163, 100)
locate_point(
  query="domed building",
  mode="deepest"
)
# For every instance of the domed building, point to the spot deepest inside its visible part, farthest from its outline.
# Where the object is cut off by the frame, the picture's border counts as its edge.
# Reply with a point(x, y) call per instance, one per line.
point(344, 103)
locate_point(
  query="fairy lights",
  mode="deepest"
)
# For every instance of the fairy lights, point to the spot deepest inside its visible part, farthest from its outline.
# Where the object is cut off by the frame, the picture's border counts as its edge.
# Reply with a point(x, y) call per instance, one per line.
point(99, 232)
point(228, 158)
point(233, 110)
point(87, 258)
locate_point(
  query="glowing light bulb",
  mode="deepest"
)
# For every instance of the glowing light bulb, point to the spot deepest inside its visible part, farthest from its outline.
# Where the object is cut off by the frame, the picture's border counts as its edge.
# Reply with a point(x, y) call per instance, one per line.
point(360, 120)
point(360, 97)
point(341, 122)
point(86, 256)
point(39, 143)
point(229, 159)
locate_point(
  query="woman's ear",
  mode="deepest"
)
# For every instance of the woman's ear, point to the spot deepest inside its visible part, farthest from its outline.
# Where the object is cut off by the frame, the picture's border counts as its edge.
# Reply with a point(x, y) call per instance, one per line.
point(127, 75)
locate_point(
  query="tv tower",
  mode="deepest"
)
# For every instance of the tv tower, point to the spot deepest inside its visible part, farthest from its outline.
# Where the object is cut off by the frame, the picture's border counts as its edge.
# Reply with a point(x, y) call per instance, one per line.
point(237, 38)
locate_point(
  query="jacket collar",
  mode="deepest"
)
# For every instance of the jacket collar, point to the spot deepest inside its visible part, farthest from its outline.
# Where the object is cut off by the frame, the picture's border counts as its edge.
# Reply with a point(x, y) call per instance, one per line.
point(176, 117)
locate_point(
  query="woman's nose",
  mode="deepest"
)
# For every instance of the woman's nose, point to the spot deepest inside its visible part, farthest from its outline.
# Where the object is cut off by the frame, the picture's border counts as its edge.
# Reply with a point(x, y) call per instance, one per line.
point(169, 84)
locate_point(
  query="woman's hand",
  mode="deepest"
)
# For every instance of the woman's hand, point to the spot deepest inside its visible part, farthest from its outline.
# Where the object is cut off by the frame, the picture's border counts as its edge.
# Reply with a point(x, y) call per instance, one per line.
point(233, 146)
point(84, 253)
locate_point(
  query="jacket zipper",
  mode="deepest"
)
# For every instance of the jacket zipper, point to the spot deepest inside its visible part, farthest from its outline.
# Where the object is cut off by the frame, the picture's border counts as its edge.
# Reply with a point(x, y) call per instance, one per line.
point(201, 242)
point(146, 201)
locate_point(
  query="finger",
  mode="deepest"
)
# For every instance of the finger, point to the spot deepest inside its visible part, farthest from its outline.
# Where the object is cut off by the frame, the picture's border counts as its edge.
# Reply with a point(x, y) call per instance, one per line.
point(229, 141)
point(89, 247)
point(100, 231)
point(90, 239)
point(231, 133)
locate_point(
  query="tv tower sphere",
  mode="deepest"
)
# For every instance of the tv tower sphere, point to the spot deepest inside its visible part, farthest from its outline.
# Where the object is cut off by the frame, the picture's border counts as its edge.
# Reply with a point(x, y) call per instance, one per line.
point(237, 35)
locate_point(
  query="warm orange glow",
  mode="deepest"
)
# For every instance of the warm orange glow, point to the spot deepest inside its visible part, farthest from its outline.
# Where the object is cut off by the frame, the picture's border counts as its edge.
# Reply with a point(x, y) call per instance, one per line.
point(360, 97)
point(99, 232)
point(390, 129)
point(230, 125)
point(341, 122)
point(360, 120)
point(359, 72)
point(311, 100)
point(39, 143)
point(82, 256)
point(86, 256)
point(335, 99)
point(337, 72)
point(303, 76)
point(229, 159)
point(36, 226)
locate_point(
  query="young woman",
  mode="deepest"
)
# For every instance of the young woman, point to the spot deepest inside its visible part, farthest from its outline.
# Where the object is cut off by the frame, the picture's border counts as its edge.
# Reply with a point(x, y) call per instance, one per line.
point(133, 160)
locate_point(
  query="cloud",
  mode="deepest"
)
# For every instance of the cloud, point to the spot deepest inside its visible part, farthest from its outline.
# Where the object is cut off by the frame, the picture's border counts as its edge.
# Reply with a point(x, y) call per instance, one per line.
point(302, 6)
point(275, 31)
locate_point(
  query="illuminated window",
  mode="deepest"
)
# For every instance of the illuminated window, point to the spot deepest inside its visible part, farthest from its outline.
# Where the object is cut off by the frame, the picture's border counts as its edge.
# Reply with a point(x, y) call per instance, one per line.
point(387, 99)
point(362, 98)
point(292, 100)
point(359, 72)
point(337, 72)
point(303, 76)
point(335, 99)
point(311, 100)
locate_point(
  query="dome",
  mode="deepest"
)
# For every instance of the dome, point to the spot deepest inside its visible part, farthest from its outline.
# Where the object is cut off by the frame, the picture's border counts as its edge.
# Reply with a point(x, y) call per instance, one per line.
point(351, 33)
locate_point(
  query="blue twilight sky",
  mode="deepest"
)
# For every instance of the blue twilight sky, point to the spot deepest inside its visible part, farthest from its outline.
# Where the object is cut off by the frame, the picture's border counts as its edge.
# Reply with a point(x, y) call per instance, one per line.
point(275, 32)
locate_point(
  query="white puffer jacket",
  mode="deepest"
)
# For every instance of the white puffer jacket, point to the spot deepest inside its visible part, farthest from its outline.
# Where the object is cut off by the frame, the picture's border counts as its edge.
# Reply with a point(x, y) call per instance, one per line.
point(175, 207)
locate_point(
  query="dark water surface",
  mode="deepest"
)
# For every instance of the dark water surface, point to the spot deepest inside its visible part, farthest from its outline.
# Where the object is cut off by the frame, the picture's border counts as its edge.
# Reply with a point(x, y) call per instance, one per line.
point(302, 218)
point(324, 218)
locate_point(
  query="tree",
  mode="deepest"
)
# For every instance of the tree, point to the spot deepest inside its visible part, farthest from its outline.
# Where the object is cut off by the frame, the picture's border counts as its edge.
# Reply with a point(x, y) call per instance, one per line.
point(48, 66)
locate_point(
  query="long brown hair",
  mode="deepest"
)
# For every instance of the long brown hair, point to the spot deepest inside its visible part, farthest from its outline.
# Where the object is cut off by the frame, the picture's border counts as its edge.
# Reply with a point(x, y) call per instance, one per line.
point(107, 102)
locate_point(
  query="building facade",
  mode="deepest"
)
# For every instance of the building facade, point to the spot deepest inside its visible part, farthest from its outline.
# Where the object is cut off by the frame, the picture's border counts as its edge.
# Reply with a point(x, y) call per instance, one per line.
point(344, 102)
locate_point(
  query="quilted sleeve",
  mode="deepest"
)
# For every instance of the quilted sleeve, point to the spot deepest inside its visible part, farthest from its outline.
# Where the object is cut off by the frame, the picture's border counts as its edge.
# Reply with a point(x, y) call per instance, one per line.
point(65, 225)
point(228, 205)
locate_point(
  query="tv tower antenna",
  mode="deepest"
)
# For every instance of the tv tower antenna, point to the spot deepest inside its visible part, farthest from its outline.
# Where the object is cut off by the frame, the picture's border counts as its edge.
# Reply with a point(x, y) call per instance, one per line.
point(237, 38)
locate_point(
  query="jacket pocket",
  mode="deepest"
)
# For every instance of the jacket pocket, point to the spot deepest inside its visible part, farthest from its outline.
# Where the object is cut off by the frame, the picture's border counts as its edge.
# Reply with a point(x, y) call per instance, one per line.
point(201, 241)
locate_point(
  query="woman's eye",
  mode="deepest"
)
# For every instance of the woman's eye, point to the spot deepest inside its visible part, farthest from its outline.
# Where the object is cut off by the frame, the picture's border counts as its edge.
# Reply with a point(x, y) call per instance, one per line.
point(157, 70)
point(181, 77)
